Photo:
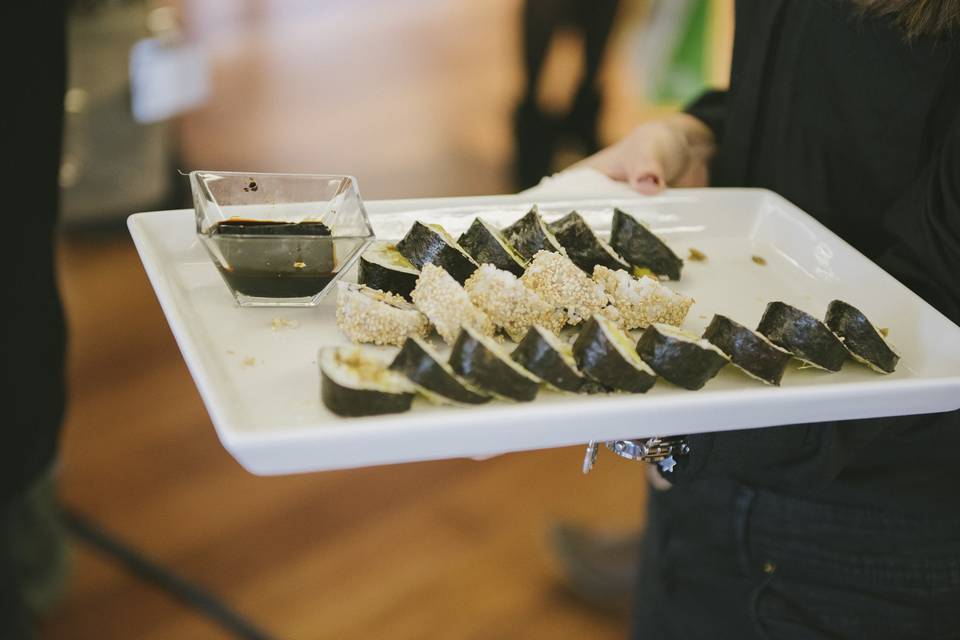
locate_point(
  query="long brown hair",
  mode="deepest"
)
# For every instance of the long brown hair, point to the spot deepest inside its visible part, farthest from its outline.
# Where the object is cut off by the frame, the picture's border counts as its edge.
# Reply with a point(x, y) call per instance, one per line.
point(917, 17)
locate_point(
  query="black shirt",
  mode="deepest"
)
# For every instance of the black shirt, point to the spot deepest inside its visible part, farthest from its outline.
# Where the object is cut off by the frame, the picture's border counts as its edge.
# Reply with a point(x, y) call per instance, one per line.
point(843, 116)
point(34, 339)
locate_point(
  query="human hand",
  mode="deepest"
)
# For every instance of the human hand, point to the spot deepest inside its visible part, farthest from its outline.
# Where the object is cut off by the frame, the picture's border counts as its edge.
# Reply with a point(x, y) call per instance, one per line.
point(672, 151)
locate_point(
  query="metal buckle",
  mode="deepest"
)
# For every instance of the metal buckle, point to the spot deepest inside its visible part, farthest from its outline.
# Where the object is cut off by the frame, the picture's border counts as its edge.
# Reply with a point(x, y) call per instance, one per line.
point(649, 450)
point(655, 450)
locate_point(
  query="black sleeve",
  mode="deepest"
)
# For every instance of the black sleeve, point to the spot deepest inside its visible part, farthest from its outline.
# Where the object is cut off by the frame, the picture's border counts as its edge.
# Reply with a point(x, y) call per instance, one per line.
point(710, 108)
point(926, 221)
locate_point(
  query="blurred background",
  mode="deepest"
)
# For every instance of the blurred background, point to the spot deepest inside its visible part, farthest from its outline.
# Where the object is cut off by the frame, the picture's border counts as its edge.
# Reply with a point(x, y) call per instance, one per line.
point(416, 99)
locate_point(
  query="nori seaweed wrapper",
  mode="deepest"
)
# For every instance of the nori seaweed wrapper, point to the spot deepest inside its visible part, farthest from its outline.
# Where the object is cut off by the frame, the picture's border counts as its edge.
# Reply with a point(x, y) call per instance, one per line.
point(530, 234)
point(599, 358)
point(679, 357)
point(537, 355)
point(484, 366)
point(747, 349)
point(584, 248)
point(641, 247)
point(395, 278)
point(430, 244)
point(355, 400)
point(860, 337)
point(487, 245)
point(424, 370)
point(802, 335)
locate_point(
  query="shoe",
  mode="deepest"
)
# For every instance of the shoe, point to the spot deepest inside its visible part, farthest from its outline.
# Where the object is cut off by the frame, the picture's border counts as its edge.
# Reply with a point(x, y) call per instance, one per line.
point(599, 569)
point(534, 133)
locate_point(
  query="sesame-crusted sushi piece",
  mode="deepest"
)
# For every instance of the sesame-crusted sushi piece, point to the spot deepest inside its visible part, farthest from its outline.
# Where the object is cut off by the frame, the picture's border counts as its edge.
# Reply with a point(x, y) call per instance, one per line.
point(447, 305)
point(371, 315)
point(509, 304)
point(562, 284)
point(642, 301)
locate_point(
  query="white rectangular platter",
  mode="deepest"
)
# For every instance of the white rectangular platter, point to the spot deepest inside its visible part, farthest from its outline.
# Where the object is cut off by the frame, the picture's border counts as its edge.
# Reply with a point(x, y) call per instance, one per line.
point(256, 368)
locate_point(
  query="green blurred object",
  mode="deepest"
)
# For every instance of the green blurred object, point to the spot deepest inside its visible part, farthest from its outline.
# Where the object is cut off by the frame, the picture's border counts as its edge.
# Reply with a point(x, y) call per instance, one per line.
point(674, 50)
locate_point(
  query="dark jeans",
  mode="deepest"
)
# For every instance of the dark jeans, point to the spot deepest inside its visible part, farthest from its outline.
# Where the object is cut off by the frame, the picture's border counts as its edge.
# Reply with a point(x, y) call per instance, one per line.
point(34, 558)
point(721, 560)
point(14, 620)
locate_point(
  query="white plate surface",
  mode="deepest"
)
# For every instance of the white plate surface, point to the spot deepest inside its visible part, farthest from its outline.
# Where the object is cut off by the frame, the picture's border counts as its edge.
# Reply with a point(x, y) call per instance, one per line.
point(260, 382)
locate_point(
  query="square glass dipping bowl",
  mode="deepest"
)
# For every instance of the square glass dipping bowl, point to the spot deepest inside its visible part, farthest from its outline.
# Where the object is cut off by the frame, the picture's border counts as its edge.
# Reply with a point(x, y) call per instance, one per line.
point(280, 240)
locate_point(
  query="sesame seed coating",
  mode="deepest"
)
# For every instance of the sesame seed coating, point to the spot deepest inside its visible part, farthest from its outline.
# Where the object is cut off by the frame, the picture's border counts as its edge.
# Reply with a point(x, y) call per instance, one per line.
point(371, 315)
point(509, 304)
point(447, 305)
point(561, 283)
point(642, 301)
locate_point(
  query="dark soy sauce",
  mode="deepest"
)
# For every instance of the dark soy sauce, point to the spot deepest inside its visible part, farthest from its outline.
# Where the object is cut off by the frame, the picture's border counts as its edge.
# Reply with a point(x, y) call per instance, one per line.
point(244, 226)
point(276, 259)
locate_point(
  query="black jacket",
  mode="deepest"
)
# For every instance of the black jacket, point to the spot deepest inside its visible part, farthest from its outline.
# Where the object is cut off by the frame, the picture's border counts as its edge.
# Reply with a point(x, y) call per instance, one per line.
point(843, 116)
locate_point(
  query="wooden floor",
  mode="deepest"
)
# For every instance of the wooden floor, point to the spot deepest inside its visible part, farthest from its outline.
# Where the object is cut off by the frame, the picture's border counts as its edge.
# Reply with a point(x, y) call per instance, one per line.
point(414, 103)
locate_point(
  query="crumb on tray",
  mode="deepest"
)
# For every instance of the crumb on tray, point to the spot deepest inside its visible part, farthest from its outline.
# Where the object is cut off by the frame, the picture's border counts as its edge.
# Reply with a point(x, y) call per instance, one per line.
point(278, 324)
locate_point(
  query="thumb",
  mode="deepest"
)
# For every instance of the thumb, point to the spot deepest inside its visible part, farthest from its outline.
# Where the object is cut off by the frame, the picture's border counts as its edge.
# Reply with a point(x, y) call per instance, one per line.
point(646, 178)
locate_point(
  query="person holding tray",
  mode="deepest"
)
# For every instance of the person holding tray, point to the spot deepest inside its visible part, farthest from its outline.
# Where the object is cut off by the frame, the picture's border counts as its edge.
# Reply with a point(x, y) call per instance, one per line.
point(33, 552)
point(850, 109)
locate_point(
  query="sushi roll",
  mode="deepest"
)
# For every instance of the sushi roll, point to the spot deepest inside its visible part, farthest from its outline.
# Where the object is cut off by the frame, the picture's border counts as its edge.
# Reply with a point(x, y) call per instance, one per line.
point(431, 244)
point(354, 382)
point(642, 248)
point(509, 304)
point(383, 267)
point(478, 359)
point(563, 285)
point(447, 305)
point(679, 356)
point(860, 337)
point(749, 351)
point(583, 246)
point(548, 357)
point(804, 336)
point(605, 354)
point(530, 234)
point(642, 301)
point(486, 245)
point(369, 315)
point(433, 376)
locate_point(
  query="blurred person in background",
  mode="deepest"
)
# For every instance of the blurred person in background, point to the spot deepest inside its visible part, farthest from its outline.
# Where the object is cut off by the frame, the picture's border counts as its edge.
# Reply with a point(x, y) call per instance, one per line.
point(535, 131)
point(851, 110)
point(32, 550)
